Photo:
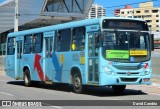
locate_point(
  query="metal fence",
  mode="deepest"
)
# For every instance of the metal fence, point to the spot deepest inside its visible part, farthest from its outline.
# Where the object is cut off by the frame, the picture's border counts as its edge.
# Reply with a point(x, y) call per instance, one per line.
point(2, 49)
point(2, 56)
point(156, 65)
point(2, 63)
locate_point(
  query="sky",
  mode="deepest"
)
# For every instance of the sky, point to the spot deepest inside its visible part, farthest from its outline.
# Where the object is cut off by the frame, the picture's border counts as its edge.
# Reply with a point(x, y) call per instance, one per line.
point(110, 5)
point(2, 0)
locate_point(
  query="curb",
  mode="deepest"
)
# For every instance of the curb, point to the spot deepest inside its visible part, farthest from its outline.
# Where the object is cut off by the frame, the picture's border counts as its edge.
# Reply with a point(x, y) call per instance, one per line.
point(155, 84)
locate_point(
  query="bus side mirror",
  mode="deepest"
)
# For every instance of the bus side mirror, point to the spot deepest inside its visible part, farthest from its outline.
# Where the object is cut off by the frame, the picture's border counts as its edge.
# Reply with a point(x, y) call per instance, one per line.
point(152, 42)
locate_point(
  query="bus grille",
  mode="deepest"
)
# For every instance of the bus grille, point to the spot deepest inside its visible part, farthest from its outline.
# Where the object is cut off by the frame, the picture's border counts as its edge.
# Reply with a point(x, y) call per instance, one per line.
point(127, 67)
point(129, 79)
point(126, 73)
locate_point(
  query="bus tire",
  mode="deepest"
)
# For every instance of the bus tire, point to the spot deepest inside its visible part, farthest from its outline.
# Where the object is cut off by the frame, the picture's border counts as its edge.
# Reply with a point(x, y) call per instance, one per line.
point(77, 83)
point(119, 89)
point(27, 79)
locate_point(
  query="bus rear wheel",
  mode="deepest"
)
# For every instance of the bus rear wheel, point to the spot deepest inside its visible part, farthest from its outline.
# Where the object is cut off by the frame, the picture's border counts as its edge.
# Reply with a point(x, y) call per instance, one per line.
point(119, 89)
point(27, 79)
point(77, 83)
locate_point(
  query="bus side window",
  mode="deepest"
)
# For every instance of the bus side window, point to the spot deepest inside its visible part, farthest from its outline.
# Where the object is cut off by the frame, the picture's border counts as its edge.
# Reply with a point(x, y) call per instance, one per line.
point(78, 39)
point(58, 41)
point(27, 44)
point(37, 43)
point(63, 40)
point(11, 46)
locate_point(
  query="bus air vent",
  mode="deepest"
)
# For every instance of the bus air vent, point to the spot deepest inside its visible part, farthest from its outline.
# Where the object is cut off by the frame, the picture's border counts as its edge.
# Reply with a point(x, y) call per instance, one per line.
point(126, 67)
point(129, 79)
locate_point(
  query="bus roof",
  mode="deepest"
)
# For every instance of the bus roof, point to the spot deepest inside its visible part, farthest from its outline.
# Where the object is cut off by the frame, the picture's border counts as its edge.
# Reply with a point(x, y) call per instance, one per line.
point(67, 25)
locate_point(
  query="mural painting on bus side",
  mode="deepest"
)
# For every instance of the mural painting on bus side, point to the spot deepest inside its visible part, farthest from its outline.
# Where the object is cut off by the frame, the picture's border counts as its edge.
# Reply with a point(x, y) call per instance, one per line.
point(38, 67)
point(58, 67)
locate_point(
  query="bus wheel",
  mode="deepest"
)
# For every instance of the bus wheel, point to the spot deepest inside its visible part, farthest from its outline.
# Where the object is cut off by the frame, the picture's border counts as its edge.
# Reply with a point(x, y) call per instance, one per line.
point(119, 89)
point(77, 83)
point(27, 79)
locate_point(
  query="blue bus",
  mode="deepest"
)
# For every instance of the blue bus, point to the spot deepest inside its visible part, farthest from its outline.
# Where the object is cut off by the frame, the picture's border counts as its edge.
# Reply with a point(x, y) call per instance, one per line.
point(93, 52)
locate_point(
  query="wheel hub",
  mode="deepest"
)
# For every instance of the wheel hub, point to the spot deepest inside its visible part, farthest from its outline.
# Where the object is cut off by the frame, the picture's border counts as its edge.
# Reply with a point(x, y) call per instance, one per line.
point(77, 82)
point(26, 79)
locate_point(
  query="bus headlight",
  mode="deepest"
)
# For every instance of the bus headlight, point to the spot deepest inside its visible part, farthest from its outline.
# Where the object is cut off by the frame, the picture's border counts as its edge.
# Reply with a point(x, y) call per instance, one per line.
point(148, 70)
point(107, 70)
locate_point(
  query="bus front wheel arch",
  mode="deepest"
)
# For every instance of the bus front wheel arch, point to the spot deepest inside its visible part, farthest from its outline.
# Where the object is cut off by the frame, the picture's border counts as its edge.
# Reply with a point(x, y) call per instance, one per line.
point(27, 78)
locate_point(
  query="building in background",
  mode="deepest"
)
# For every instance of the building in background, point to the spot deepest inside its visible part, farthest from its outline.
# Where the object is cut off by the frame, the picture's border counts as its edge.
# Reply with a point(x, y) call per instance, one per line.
point(124, 12)
point(96, 11)
point(117, 12)
point(127, 12)
point(149, 13)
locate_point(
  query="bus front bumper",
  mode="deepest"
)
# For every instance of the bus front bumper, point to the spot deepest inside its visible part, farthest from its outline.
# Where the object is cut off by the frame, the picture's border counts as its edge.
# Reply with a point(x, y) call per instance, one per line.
point(124, 80)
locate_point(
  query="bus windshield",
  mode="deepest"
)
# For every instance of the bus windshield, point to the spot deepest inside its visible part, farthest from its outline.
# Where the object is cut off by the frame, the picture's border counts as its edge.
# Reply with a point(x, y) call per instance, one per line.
point(126, 46)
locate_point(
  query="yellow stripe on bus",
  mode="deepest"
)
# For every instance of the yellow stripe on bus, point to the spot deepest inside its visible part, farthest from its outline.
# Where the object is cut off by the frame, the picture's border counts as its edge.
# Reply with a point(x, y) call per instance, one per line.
point(138, 52)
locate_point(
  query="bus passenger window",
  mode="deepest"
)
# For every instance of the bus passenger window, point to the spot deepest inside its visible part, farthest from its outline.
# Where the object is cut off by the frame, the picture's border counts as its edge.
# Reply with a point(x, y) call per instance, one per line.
point(78, 39)
point(58, 41)
point(11, 46)
point(63, 40)
point(37, 43)
point(27, 44)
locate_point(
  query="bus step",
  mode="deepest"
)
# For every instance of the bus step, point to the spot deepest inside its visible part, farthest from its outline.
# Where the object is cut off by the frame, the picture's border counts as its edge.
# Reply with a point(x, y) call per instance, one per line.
point(49, 82)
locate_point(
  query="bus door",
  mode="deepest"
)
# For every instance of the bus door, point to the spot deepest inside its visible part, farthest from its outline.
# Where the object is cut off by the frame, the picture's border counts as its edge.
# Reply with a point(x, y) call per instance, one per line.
point(48, 49)
point(18, 54)
point(93, 52)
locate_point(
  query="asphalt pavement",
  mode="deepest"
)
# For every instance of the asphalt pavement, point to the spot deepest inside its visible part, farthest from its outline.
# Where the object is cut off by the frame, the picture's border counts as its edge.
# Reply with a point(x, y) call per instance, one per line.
point(11, 89)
